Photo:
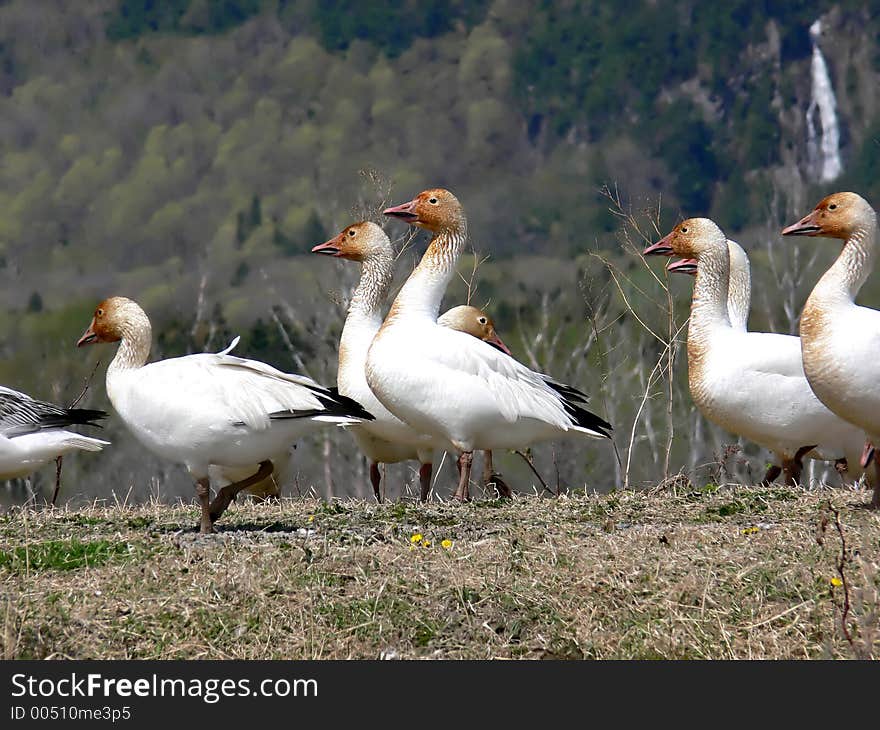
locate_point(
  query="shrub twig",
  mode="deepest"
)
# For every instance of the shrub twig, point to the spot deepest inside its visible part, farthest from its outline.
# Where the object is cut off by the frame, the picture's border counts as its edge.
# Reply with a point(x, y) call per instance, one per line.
point(73, 404)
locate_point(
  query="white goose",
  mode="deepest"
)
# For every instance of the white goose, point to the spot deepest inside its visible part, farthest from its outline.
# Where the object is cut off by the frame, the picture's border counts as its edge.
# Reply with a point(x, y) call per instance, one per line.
point(32, 432)
point(750, 383)
point(840, 340)
point(386, 439)
point(454, 386)
point(476, 323)
point(739, 300)
point(209, 409)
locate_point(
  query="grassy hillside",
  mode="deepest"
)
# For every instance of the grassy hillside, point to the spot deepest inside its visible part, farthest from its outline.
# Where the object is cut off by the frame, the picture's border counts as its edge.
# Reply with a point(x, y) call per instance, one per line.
point(675, 572)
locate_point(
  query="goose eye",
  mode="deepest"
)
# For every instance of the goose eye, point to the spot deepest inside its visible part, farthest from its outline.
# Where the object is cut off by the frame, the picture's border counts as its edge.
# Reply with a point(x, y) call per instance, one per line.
point(100, 312)
point(432, 201)
point(832, 206)
point(684, 229)
point(351, 231)
point(482, 320)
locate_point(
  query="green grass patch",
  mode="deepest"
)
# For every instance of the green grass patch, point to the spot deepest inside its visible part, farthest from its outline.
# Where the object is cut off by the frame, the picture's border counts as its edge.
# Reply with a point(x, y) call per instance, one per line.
point(749, 501)
point(63, 555)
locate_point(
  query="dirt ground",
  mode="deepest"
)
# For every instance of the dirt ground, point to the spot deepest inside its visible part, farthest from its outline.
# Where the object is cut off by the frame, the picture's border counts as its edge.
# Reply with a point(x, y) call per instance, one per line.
point(723, 572)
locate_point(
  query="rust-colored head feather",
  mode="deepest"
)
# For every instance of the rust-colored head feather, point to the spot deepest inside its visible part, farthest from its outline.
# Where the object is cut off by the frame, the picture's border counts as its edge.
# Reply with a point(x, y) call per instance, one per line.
point(356, 242)
point(435, 210)
point(689, 239)
point(474, 322)
point(835, 216)
point(113, 319)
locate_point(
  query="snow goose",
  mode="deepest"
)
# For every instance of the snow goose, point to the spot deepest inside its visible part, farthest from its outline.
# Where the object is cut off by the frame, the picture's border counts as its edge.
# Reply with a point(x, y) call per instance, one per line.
point(387, 439)
point(475, 322)
point(739, 299)
point(209, 409)
point(32, 432)
point(840, 339)
point(750, 383)
point(453, 386)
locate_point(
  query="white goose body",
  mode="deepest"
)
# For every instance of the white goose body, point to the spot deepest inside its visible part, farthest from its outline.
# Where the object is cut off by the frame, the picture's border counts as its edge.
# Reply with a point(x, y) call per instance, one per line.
point(206, 409)
point(453, 386)
point(848, 381)
point(216, 408)
point(751, 383)
point(32, 433)
point(386, 439)
point(464, 390)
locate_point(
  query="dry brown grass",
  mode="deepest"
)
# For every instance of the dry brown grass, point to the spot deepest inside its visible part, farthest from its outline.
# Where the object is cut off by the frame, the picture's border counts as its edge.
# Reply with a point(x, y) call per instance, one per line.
point(732, 572)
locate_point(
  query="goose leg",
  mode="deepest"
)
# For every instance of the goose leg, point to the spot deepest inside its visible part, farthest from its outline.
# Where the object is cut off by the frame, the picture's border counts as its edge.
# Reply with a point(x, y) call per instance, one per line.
point(773, 471)
point(425, 480)
point(796, 465)
point(375, 480)
point(867, 455)
point(203, 490)
point(227, 494)
point(875, 500)
point(465, 459)
point(791, 470)
point(493, 481)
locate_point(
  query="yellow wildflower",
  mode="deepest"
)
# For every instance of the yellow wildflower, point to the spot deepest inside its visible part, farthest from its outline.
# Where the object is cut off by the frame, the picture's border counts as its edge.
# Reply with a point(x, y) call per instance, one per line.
point(751, 530)
point(446, 544)
point(311, 518)
point(426, 543)
point(835, 581)
point(416, 539)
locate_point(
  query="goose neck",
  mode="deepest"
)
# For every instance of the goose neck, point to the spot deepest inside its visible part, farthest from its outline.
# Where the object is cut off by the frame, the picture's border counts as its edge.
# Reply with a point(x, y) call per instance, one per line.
point(854, 264)
point(423, 291)
point(709, 304)
point(371, 292)
point(134, 347)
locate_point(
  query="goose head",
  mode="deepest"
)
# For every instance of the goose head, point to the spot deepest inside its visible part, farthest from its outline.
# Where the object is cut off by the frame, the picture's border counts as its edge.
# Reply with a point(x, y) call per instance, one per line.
point(435, 210)
point(114, 319)
point(356, 242)
point(836, 216)
point(690, 239)
point(474, 322)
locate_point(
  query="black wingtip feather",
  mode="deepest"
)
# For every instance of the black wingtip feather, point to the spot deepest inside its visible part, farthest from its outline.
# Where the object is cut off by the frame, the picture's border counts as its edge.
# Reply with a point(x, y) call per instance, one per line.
point(84, 416)
point(341, 405)
point(334, 404)
point(568, 391)
point(586, 419)
point(573, 400)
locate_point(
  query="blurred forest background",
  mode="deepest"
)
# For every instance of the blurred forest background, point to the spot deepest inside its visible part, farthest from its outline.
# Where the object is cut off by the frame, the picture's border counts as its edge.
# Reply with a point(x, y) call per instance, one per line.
point(188, 153)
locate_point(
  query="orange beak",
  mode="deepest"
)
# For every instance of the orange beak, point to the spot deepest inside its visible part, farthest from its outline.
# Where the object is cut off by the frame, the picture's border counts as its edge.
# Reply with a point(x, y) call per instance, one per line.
point(496, 342)
point(663, 247)
point(806, 226)
point(89, 337)
point(404, 211)
point(333, 247)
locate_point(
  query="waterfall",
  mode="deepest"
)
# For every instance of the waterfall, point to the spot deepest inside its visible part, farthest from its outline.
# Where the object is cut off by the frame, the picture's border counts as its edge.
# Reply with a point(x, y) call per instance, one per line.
point(823, 148)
